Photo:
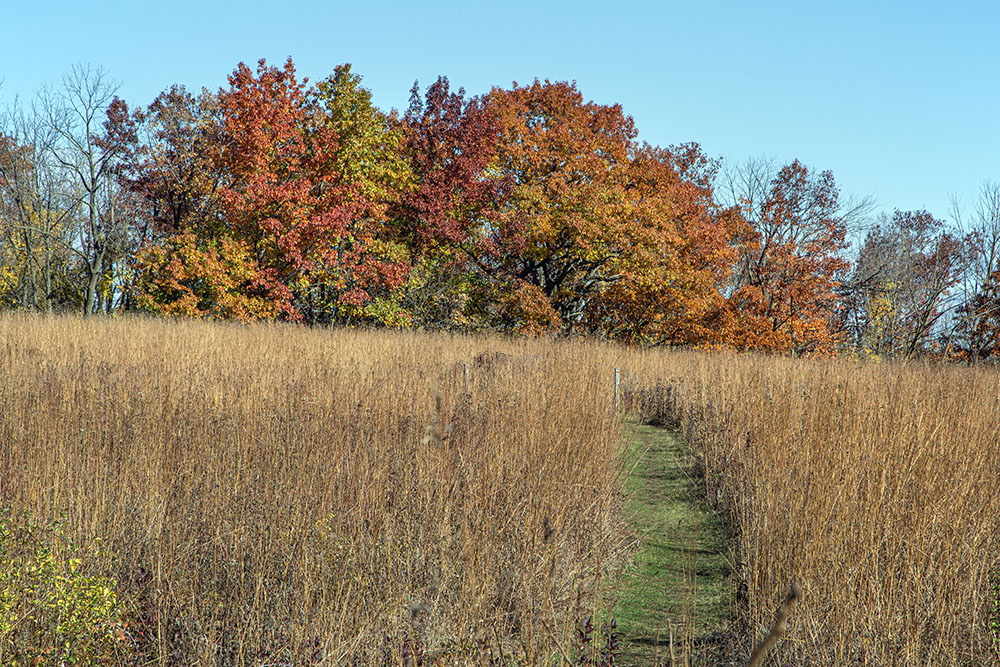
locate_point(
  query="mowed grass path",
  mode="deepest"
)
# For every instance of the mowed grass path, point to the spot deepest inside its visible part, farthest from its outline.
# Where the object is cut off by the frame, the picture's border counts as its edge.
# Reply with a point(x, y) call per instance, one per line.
point(679, 583)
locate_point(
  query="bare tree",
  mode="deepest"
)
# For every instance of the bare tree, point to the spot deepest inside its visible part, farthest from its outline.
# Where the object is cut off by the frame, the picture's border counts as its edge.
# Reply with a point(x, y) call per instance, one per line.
point(981, 229)
point(75, 114)
point(915, 262)
point(36, 217)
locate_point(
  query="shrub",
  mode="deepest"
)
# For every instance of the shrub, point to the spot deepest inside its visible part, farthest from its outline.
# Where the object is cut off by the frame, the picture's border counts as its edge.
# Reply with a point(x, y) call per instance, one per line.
point(56, 607)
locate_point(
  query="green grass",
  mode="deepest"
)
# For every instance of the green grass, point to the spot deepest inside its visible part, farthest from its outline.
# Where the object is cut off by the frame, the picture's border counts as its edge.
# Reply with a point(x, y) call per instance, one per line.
point(679, 583)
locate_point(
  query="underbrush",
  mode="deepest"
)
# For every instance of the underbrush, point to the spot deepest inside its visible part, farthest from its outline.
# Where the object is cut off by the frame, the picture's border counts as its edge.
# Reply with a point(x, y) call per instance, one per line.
point(58, 601)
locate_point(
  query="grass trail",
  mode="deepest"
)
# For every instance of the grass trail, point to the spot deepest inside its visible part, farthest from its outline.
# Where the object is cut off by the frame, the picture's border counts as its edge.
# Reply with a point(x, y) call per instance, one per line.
point(678, 585)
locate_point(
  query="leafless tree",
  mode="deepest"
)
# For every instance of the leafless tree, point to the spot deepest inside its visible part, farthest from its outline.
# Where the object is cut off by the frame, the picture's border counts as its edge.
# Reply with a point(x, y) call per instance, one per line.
point(36, 216)
point(981, 229)
point(75, 114)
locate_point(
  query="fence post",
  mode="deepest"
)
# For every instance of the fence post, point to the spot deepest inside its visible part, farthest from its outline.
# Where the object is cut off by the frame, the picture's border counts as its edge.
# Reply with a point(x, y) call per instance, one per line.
point(618, 393)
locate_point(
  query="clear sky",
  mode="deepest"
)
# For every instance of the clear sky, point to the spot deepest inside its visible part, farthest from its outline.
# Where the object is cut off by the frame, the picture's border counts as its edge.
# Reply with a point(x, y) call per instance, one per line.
point(900, 99)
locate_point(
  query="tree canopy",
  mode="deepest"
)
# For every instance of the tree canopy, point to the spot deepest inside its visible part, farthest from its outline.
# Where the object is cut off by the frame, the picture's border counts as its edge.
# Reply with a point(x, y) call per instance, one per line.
point(526, 209)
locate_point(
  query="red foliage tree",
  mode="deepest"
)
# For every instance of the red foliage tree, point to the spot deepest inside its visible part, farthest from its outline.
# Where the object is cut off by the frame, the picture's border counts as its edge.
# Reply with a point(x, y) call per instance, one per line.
point(452, 144)
point(450, 212)
point(284, 174)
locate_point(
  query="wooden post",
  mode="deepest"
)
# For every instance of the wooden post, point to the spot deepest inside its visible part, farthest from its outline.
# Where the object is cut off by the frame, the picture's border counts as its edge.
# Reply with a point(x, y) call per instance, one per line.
point(465, 377)
point(618, 386)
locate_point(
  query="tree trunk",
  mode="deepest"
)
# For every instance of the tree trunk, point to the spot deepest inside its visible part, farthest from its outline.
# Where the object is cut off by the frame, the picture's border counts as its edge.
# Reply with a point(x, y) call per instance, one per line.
point(94, 269)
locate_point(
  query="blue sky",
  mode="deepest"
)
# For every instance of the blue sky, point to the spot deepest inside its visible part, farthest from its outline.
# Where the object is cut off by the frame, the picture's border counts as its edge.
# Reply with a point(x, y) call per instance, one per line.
point(900, 100)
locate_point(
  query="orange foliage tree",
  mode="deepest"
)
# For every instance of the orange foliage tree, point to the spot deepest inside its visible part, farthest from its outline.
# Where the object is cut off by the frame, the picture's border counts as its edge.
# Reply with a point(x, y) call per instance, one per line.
point(563, 235)
point(671, 289)
point(559, 220)
point(783, 290)
point(596, 233)
point(195, 277)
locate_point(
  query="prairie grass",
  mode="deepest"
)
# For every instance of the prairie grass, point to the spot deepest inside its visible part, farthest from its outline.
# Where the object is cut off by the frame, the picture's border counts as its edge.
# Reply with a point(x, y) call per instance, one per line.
point(279, 495)
point(875, 486)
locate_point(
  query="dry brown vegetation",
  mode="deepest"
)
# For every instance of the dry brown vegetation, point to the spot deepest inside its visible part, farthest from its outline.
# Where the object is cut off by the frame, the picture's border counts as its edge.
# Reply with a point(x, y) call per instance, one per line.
point(876, 486)
point(274, 494)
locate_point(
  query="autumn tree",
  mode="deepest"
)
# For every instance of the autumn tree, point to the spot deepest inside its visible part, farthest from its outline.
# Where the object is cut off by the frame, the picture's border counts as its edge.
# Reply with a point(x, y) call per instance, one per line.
point(175, 161)
point(292, 201)
point(188, 275)
point(362, 275)
point(588, 219)
point(187, 263)
point(452, 210)
point(548, 215)
point(783, 288)
point(271, 199)
point(671, 291)
point(908, 265)
point(563, 234)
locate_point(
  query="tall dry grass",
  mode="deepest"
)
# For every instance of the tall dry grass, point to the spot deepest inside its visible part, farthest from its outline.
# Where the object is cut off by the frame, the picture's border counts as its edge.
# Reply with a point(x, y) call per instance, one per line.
point(277, 495)
point(876, 486)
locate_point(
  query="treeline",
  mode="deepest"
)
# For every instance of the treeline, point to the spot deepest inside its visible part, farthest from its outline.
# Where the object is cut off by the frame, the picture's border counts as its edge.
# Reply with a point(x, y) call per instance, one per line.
point(526, 209)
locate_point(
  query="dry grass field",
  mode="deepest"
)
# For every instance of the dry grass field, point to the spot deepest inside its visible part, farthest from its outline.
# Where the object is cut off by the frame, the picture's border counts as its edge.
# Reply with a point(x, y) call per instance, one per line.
point(274, 495)
point(877, 487)
point(279, 495)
